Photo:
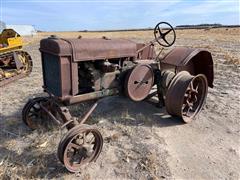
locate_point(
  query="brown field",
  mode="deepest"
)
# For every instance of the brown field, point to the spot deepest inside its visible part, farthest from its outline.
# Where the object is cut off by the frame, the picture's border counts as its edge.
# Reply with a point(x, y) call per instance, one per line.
point(140, 140)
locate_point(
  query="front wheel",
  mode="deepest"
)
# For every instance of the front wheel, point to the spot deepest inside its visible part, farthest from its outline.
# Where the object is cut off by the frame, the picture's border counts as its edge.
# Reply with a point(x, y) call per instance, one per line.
point(34, 116)
point(81, 145)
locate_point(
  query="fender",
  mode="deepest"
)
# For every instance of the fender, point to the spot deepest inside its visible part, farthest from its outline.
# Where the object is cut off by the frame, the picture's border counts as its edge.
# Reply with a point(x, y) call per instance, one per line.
point(195, 61)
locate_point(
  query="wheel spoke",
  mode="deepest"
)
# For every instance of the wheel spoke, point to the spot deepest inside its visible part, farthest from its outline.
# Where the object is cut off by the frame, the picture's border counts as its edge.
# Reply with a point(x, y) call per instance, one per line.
point(164, 34)
point(186, 94)
point(92, 140)
point(70, 158)
point(160, 31)
point(31, 110)
point(188, 111)
point(74, 145)
point(35, 109)
point(196, 89)
point(191, 86)
point(163, 37)
point(84, 138)
point(195, 99)
point(32, 114)
point(184, 106)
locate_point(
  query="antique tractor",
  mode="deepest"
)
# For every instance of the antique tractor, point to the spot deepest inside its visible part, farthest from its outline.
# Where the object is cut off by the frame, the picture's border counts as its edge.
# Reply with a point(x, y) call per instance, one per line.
point(78, 70)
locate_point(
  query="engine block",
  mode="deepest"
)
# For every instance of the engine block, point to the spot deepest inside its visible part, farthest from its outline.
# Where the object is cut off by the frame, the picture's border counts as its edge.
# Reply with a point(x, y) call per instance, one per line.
point(74, 67)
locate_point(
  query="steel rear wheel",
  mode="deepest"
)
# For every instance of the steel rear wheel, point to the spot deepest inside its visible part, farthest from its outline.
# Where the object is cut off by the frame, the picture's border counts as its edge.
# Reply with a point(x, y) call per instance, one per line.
point(186, 95)
point(81, 145)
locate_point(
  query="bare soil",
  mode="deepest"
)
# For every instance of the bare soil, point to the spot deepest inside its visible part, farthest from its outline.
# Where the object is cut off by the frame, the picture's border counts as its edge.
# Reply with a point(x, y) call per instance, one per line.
point(140, 140)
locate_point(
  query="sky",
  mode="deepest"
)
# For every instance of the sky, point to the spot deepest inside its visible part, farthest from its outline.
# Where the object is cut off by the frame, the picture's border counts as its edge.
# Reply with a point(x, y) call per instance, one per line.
point(73, 15)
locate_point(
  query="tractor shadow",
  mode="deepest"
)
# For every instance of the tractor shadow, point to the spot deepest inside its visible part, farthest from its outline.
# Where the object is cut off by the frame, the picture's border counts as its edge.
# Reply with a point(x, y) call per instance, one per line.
point(145, 113)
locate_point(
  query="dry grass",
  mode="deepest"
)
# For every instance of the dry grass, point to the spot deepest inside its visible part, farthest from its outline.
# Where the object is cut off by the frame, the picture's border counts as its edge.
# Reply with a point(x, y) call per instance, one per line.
point(219, 40)
point(223, 34)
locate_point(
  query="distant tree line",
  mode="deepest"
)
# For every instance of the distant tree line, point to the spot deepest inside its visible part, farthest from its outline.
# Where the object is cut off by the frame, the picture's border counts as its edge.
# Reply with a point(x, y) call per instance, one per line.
point(200, 25)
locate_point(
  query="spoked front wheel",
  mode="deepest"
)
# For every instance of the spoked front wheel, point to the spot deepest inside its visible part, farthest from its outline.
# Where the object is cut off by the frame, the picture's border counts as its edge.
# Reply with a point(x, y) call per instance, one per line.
point(186, 95)
point(81, 145)
point(35, 113)
point(32, 114)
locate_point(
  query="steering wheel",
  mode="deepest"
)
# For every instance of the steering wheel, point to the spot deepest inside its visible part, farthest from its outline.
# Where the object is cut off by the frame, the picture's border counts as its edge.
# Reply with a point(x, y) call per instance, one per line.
point(160, 34)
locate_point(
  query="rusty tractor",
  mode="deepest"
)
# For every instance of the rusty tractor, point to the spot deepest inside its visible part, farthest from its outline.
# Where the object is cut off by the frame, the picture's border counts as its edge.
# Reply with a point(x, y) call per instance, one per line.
point(78, 70)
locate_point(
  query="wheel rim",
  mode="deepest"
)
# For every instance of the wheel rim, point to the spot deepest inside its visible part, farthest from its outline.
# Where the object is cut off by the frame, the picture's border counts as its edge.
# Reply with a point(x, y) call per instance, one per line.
point(80, 146)
point(194, 97)
point(32, 114)
point(186, 95)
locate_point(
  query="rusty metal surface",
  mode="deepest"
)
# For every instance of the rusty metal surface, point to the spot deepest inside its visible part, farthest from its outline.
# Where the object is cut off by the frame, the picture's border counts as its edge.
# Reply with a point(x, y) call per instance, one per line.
point(60, 75)
point(9, 80)
point(86, 116)
point(44, 112)
point(195, 61)
point(186, 95)
point(89, 49)
point(145, 52)
point(32, 115)
point(92, 95)
point(82, 144)
point(139, 82)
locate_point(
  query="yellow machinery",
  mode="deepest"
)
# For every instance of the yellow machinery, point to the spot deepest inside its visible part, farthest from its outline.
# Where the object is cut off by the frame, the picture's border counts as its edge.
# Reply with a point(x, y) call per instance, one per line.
point(14, 63)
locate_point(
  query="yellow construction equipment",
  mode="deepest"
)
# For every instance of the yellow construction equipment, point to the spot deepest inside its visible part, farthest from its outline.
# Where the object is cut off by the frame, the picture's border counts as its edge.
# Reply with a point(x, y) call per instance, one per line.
point(14, 62)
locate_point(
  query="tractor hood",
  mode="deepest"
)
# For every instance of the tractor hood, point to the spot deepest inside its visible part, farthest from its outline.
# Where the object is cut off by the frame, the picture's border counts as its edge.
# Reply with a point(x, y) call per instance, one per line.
point(89, 49)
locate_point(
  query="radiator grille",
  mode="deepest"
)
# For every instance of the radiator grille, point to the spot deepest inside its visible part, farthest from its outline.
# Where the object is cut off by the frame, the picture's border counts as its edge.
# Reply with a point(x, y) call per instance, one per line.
point(51, 74)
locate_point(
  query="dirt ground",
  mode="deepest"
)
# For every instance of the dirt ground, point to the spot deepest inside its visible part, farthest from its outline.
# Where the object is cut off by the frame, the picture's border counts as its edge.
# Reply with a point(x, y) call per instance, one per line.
point(140, 140)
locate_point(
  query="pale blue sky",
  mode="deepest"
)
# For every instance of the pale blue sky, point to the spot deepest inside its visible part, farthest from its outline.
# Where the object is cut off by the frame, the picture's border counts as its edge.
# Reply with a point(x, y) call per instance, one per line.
point(62, 15)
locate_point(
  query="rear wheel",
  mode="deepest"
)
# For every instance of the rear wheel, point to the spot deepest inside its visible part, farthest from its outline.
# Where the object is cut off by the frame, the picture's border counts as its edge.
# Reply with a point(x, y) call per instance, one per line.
point(186, 95)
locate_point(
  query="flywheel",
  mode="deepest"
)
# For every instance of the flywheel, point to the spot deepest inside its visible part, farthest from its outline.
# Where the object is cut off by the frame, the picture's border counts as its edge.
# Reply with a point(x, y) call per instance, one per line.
point(139, 82)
